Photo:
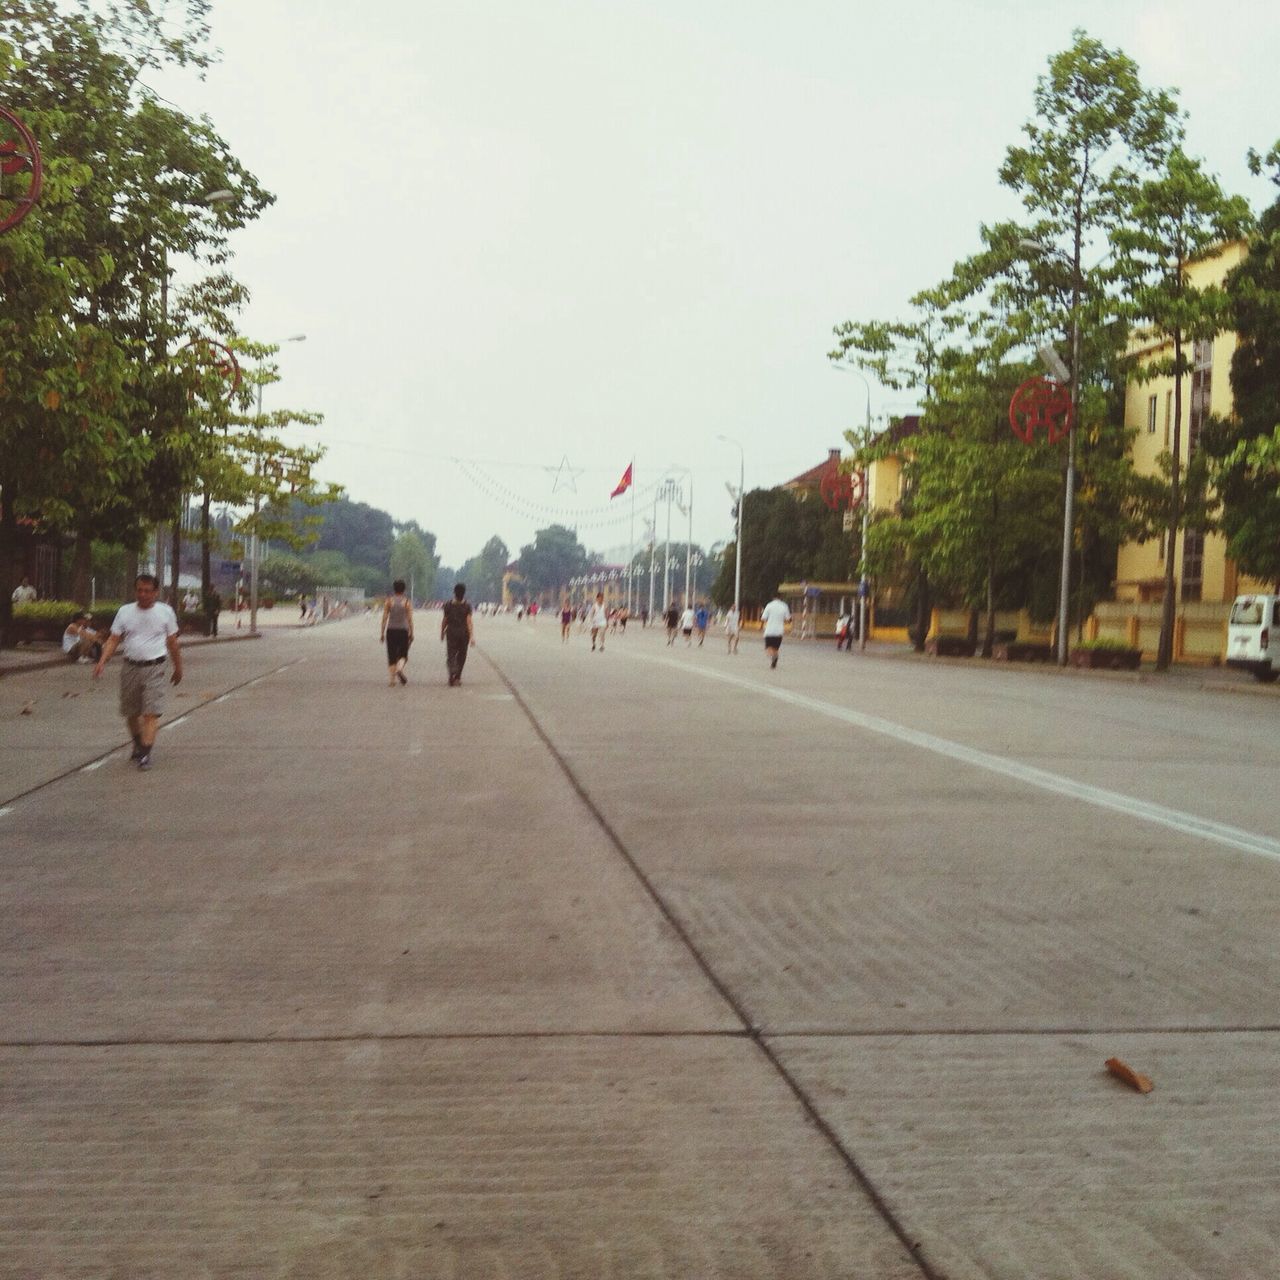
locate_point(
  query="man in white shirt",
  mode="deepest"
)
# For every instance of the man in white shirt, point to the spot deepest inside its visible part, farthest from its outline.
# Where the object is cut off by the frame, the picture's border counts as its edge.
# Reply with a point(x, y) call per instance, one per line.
point(24, 592)
point(599, 620)
point(146, 631)
point(775, 617)
point(686, 624)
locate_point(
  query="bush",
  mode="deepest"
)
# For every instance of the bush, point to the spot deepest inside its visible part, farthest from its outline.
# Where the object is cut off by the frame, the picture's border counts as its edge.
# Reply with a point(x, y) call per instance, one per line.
point(1104, 644)
point(267, 602)
point(62, 611)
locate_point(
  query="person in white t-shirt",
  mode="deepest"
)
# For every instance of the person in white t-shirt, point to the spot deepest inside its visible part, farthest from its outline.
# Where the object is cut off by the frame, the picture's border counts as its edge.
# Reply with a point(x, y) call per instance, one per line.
point(24, 592)
point(146, 630)
point(686, 624)
point(775, 617)
point(732, 626)
point(598, 618)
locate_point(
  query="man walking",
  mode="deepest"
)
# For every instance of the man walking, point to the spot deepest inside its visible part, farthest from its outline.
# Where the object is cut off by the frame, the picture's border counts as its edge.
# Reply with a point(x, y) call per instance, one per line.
point(457, 632)
point(775, 617)
point(145, 630)
point(673, 621)
point(700, 620)
point(599, 620)
point(732, 625)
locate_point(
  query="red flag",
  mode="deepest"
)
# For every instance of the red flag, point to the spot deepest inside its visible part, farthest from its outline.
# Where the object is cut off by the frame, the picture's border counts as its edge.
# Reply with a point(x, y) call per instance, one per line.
point(625, 483)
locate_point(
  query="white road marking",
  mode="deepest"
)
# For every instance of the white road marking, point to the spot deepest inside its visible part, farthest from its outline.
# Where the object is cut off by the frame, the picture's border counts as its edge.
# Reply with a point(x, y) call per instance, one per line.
point(96, 764)
point(5, 811)
point(1188, 824)
point(173, 724)
point(225, 697)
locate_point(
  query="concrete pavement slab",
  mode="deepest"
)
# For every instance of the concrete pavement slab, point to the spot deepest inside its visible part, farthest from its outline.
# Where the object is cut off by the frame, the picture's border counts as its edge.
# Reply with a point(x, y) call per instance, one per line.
point(841, 881)
point(1018, 1156)
point(321, 855)
point(567, 1159)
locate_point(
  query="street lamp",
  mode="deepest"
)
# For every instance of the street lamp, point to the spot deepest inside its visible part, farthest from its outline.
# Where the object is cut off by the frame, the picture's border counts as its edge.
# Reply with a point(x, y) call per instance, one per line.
point(737, 535)
point(866, 502)
point(1069, 501)
point(257, 498)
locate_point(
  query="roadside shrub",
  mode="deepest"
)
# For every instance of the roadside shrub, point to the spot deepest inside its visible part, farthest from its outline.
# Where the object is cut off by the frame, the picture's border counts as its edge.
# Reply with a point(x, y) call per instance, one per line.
point(62, 611)
point(1105, 644)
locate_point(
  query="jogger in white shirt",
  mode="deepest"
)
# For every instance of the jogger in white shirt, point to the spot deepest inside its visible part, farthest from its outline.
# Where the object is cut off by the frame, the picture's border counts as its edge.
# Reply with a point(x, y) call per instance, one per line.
point(775, 617)
point(599, 619)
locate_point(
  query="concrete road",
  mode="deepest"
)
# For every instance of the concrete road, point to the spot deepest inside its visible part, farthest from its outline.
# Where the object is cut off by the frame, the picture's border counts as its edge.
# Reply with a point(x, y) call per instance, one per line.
point(650, 962)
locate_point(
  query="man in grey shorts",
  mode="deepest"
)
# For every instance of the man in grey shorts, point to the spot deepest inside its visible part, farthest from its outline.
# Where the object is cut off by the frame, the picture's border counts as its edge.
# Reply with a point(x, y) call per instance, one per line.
point(146, 631)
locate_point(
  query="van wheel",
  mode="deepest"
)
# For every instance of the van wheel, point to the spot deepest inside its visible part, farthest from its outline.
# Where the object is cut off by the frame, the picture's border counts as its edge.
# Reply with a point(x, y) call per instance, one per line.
point(1266, 677)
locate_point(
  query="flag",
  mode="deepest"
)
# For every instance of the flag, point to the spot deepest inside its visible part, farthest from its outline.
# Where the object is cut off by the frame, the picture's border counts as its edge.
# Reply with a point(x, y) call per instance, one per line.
point(625, 483)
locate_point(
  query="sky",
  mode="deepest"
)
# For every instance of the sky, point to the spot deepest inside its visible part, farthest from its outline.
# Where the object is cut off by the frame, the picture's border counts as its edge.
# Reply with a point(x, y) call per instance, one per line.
point(531, 242)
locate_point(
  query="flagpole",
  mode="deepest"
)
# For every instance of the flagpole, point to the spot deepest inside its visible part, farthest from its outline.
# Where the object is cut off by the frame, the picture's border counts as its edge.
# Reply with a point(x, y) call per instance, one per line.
point(631, 559)
point(653, 547)
point(688, 551)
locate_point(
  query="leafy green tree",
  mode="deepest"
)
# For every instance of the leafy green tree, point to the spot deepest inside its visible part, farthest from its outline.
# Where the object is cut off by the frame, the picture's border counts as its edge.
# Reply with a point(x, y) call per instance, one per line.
point(1246, 450)
point(1179, 217)
point(412, 561)
point(287, 575)
point(553, 557)
point(484, 571)
point(92, 431)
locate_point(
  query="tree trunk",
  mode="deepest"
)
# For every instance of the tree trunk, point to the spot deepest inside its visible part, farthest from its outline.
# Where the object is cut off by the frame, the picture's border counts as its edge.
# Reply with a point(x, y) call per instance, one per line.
point(8, 551)
point(206, 571)
point(924, 610)
point(130, 570)
point(81, 569)
point(989, 638)
point(176, 568)
point(1164, 654)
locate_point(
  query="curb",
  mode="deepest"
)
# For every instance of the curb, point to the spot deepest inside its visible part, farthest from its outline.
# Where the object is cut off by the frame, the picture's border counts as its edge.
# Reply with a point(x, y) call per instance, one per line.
point(58, 660)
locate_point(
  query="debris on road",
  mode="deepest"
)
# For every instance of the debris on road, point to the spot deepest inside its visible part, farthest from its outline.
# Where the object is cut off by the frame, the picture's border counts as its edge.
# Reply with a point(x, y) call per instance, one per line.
point(1134, 1079)
point(27, 709)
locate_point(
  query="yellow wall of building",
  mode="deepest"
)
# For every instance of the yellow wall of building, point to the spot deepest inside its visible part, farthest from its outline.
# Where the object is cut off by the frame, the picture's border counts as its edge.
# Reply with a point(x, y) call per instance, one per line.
point(1140, 567)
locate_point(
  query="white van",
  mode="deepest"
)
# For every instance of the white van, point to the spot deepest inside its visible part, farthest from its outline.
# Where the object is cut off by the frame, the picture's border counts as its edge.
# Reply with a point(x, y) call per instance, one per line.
point(1254, 621)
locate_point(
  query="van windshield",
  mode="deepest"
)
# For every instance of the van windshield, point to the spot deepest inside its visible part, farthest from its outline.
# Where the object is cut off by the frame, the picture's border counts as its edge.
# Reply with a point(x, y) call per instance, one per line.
point(1246, 613)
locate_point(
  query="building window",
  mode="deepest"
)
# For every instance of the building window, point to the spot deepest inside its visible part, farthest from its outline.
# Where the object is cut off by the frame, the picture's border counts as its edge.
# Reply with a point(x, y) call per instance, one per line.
point(1168, 417)
point(1203, 354)
point(1151, 415)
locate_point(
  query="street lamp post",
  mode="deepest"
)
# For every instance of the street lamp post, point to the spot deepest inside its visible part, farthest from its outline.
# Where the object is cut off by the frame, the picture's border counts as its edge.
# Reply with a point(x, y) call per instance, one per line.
point(737, 533)
point(1069, 500)
point(863, 590)
point(257, 498)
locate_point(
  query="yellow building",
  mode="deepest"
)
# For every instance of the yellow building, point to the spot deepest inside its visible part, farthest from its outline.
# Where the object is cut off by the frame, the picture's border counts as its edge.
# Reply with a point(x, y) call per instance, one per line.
point(1202, 571)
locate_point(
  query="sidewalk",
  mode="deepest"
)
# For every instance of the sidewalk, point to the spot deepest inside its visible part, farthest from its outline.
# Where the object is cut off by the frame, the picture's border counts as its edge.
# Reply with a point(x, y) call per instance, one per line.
point(42, 655)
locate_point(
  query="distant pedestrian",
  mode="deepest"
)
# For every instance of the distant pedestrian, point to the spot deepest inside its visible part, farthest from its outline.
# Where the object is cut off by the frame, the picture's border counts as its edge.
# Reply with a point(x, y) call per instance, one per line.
point(686, 624)
point(302, 606)
point(599, 619)
point(844, 631)
point(732, 625)
point(700, 619)
point(673, 622)
point(458, 633)
point(397, 632)
point(146, 630)
point(644, 619)
point(24, 592)
point(566, 622)
point(775, 617)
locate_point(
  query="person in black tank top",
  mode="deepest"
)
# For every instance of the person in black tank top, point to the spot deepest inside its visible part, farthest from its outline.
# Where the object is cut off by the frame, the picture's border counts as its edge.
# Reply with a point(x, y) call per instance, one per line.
point(457, 632)
point(397, 631)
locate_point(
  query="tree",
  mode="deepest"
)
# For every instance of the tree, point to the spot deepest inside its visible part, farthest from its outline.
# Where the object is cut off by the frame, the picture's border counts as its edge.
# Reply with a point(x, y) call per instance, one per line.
point(1246, 450)
point(483, 573)
point(286, 575)
point(784, 539)
point(554, 556)
point(92, 432)
point(411, 560)
point(1179, 217)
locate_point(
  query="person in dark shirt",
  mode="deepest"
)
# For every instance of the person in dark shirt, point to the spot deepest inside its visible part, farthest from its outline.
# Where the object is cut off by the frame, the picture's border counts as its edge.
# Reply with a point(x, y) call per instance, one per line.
point(673, 621)
point(457, 632)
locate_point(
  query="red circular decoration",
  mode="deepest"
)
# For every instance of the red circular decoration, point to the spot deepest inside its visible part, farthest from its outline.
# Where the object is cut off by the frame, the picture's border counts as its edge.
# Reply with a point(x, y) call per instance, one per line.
point(1040, 404)
point(216, 357)
point(840, 489)
point(17, 155)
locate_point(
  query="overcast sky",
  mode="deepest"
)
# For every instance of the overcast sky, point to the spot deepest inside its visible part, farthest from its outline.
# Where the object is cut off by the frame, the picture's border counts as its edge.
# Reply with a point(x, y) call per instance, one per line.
point(520, 231)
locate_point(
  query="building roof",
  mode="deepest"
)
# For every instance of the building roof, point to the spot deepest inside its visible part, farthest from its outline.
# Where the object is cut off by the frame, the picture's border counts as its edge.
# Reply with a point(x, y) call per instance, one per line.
point(812, 479)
